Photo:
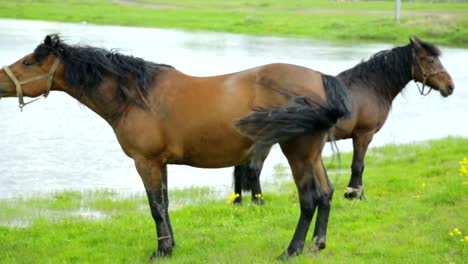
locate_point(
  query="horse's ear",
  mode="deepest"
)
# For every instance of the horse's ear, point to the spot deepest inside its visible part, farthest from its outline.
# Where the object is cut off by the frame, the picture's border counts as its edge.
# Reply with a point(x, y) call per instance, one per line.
point(415, 42)
point(52, 40)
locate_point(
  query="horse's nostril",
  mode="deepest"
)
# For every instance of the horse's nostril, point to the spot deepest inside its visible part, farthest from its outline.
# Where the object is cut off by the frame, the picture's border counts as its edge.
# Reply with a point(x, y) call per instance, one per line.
point(450, 88)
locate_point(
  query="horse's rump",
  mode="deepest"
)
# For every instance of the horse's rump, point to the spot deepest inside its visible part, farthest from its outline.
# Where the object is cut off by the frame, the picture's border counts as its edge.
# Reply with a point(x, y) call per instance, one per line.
point(300, 115)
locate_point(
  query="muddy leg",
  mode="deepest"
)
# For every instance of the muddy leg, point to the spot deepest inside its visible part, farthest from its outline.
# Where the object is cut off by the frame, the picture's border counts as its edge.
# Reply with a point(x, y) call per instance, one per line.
point(154, 176)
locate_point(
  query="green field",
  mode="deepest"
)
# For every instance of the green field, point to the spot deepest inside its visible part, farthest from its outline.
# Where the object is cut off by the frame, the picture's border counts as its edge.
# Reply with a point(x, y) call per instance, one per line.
point(416, 197)
point(416, 209)
point(443, 22)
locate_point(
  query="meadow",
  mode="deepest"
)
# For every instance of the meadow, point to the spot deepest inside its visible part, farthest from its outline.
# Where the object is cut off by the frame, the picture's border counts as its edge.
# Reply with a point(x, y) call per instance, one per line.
point(443, 22)
point(416, 211)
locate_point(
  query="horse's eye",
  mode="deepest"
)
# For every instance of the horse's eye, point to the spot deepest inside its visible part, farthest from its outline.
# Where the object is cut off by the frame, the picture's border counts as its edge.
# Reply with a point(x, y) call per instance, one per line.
point(27, 62)
point(430, 60)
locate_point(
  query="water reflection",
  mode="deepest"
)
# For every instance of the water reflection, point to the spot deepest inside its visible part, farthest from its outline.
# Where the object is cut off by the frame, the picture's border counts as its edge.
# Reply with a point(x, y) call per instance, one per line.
point(59, 144)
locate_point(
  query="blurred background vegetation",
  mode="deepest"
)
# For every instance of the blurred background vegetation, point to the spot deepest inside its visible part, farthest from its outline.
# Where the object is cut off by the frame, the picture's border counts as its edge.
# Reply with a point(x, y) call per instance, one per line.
point(442, 22)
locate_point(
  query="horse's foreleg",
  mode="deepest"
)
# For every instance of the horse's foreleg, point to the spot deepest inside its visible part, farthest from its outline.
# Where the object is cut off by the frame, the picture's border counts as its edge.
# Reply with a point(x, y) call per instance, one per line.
point(355, 187)
point(323, 212)
point(154, 176)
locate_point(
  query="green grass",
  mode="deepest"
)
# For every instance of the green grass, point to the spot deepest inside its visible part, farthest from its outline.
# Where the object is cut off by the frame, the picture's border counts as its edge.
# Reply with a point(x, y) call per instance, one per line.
point(415, 197)
point(350, 21)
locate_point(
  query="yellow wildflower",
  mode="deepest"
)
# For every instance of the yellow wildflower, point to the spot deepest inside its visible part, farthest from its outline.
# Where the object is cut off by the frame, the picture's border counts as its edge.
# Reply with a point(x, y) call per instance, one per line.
point(463, 171)
point(259, 196)
point(457, 231)
point(232, 197)
point(451, 234)
point(464, 166)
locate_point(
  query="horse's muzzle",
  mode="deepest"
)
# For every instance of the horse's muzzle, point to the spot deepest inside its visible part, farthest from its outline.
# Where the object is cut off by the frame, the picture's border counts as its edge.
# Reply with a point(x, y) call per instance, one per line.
point(450, 89)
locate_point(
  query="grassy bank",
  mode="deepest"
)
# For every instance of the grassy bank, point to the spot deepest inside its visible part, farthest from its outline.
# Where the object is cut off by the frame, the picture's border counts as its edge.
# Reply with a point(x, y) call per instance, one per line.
point(416, 197)
point(349, 21)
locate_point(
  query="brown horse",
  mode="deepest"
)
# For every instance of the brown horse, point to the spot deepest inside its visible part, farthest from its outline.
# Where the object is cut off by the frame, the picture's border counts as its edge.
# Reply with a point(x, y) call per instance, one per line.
point(162, 116)
point(372, 86)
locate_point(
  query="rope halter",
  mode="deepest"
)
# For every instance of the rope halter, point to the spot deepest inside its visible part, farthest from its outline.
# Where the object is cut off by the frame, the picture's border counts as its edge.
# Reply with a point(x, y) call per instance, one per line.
point(18, 83)
point(425, 75)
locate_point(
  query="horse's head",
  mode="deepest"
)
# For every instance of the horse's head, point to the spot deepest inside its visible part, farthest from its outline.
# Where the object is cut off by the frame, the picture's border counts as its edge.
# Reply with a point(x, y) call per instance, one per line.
point(428, 69)
point(34, 74)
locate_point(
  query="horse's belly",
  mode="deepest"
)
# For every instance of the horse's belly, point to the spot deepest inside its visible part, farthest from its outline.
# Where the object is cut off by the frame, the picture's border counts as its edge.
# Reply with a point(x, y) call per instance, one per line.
point(204, 135)
point(214, 157)
point(212, 151)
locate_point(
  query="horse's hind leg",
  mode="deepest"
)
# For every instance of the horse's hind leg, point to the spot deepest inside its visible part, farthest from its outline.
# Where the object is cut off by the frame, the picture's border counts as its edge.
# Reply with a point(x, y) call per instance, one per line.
point(154, 176)
point(304, 157)
point(239, 172)
point(355, 187)
point(257, 196)
point(247, 177)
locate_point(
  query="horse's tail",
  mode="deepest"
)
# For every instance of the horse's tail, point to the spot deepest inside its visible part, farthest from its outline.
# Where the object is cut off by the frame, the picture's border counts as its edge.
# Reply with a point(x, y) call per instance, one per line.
point(298, 116)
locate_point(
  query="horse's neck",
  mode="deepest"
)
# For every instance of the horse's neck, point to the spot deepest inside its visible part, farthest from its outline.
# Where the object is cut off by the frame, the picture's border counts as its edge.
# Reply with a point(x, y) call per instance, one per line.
point(96, 102)
point(387, 90)
point(385, 77)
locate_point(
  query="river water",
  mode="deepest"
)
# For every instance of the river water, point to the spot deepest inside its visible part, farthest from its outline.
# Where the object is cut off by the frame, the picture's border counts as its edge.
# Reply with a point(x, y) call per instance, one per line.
point(57, 143)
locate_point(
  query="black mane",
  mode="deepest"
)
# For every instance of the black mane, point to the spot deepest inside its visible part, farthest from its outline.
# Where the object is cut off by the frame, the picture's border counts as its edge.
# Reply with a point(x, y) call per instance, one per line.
point(430, 48)
point(386, 72)
point(87, 67)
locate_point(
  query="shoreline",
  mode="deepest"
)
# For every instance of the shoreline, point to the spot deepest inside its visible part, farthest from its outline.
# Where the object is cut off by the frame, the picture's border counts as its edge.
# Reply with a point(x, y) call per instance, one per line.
point(444, 24)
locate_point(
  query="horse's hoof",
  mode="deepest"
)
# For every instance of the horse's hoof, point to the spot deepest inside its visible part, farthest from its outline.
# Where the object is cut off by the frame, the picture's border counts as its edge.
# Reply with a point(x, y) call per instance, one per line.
point(162, 252)
point(317, 245)
point(237, 201)
point(258, 201)
point(159, 254)
point(354, 193)
point(286, 254)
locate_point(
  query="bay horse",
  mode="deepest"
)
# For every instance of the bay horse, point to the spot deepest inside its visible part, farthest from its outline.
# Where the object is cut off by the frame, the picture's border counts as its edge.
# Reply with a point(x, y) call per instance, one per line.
point(372, 86)
point(162, 116)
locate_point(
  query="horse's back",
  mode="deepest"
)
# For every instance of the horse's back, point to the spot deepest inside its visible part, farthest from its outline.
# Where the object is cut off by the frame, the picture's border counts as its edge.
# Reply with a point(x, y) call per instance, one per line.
point(236, 94)
point(289, 80)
